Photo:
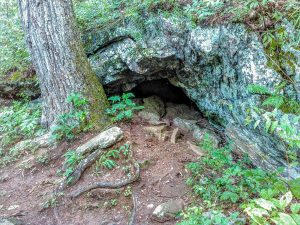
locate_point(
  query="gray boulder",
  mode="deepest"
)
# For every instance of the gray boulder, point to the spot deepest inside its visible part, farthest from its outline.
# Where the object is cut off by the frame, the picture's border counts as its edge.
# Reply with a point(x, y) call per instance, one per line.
point(167, 210)
point(213, 65)
point(154, 109)
point(103, 140)
point(198, 132)
point(182, 111)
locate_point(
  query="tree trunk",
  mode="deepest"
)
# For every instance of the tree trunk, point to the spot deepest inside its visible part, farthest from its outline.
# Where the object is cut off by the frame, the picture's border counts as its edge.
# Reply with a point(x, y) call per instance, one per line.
point(59, 59)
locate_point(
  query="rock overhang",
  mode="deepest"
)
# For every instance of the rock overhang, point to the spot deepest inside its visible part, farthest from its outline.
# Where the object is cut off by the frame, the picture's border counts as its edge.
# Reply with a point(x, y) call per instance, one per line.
point(213, 65)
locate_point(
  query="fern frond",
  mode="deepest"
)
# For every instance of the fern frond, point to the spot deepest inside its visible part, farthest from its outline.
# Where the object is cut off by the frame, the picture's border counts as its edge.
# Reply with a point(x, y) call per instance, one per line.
point(258, 89)
point(274, 100)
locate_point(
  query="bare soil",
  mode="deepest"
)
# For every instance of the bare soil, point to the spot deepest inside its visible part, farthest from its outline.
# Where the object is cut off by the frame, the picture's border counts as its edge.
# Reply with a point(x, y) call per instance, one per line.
point(26, 185)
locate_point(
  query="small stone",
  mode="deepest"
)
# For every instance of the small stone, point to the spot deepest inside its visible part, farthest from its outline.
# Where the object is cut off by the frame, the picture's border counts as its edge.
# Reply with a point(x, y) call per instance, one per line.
point(186, 125)
point(154, 104)
point(144, 164)
point(196, 149)
point(103, 140)
point(118, 218)
point(107, 223)
point(150, 206)
point(27, 164)
point(168, 210)
point(5, 222)
point(154, 109)
point(158, 132)
point(182, 111)
point(12, 207)
point(3, 178)
point(152, 118)
point(175, 135)
point(3, 193)
point(199, 134)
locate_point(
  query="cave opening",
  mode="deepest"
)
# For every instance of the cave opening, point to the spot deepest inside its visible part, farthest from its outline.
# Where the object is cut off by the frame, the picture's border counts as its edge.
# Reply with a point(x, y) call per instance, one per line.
point(163, 89)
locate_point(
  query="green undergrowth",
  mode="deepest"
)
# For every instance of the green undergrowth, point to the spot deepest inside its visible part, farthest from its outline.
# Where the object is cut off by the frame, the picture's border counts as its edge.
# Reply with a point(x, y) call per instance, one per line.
point(13, 52)
point(108, 159)
point(235, 192)
point(276, 99)
point(70, 124)
point(18, 122)
point(122, 107)
point(277, 115)
point(72, 159)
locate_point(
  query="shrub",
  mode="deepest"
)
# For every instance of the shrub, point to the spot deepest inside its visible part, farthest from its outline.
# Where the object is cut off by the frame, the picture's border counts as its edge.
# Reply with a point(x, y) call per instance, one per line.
point(195, 216)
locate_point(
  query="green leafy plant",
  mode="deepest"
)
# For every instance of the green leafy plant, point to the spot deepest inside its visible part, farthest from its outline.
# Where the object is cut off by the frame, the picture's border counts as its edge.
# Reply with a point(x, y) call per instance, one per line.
point(128, 191)
point(51, 202)
point(72, 158)
point(113, 202)
point(43, 159)
point(216, 177)
point(20, 121)
point(202, 10)
point(225, 181)
point(276, 99)
point(122, 108)
point(277, 211)
point(125, 149)
point(14, 54)
point(274, 115)
point(71, 123)
point(107, 159)
point(195, 215)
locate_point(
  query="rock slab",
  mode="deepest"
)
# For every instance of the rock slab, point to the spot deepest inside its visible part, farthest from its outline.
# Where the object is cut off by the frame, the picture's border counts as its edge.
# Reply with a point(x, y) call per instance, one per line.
point(103, 140)
point(168, 210)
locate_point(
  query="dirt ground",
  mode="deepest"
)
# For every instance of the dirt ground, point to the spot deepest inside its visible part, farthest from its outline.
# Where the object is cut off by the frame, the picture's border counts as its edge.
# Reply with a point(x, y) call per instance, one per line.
point(26, 185)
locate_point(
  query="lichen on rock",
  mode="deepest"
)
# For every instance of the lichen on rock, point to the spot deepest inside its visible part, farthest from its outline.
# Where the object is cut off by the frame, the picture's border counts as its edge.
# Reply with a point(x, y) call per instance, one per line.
point(214, 65)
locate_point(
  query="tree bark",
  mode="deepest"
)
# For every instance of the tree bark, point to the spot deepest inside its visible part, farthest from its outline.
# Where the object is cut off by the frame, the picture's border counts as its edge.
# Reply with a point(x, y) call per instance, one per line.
point(59, 59)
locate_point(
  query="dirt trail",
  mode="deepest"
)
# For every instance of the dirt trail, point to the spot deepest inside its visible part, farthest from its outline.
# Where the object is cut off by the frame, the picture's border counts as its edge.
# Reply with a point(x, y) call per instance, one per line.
point(26, 185)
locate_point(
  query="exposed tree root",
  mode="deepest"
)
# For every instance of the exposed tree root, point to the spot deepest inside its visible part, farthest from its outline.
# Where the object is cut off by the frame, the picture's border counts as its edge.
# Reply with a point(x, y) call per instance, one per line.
point(103, 140)
point(80, 168)
point(56, 215)
point(133, 211)
point(110, 185)
point(83, 165)
point(108, 137)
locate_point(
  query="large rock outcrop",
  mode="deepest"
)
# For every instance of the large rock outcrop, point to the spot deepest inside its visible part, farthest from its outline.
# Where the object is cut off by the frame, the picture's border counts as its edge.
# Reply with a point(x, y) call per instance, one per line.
point(213, 65)
point(18, 84)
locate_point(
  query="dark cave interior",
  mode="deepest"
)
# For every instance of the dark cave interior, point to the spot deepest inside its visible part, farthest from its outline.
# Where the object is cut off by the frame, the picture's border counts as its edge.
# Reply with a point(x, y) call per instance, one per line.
point(162, 88)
